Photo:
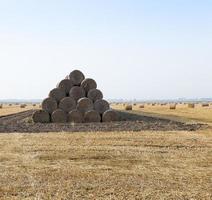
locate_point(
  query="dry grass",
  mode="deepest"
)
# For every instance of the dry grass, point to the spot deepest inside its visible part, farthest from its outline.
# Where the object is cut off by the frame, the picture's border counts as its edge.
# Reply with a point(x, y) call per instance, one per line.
point(119, 165)
point(198, 114)
point(6, 110)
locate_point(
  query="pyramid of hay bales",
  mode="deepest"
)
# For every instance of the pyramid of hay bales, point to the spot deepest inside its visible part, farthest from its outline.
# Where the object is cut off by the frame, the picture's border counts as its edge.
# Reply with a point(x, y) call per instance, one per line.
point(75, 99)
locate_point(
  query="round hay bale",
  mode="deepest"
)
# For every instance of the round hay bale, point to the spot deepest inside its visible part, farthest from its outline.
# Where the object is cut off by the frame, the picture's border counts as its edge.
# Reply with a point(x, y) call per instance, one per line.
point(75, 116)
point(205, 104)
point(1, 106)
point(101, 106)
point(128, 107)
point(92, 116)
point(141, 106)
point(33, 105)
point(88, 84)
point(77, 93)
point(49, 105)
point(110, 116)
point(191, 105)
point(59, 116)
point(84, 105)
point(23, 106)
point(66, 85)
point(173, 107)
point(57, 94)
point(41, 116)
point(95, 94)
point(76, 77)
point(67, 104)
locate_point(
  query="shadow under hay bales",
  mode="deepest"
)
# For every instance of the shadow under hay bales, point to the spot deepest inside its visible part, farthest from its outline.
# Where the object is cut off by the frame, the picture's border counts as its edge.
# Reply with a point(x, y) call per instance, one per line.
point(128, 121)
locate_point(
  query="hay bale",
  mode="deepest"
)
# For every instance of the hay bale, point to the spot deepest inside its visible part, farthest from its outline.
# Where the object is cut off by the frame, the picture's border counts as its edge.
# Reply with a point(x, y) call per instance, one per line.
point(88, 84)
point(1, 106)
point(34, 105)
point(95, 94)
point(59, 116)
point(191, 105)
point(41, 116)
point(172, 107)
point(49, 105)
point(77, 93)
point(75, 116)
point(128, 107)
point(92, 116)
point(67, 104)
point(66, 85)
point(23, 106)
point(110, 116)
point(57, 94)
point(141, 106)
point(76, 77)
point(10, 104)
point(101, 106)
point(84, 105)
point(205, 104)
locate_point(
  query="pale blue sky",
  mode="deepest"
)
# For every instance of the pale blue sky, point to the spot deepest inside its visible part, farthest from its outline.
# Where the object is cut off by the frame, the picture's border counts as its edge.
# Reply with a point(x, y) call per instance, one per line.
point(143, 49)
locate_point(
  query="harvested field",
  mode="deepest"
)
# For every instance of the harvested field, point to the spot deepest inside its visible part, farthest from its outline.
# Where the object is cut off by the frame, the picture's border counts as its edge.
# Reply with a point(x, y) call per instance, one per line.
point(110, 165)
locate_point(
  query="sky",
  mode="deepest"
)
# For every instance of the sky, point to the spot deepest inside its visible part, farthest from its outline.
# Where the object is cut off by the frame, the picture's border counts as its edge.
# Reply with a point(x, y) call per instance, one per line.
point(134, 49)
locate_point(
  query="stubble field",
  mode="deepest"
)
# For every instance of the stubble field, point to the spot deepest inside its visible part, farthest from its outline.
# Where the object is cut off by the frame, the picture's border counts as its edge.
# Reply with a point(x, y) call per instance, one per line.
point(146, 164)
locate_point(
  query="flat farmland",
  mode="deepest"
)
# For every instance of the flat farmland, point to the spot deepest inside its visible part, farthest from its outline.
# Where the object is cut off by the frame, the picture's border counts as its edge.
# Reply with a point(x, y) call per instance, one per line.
point(145, 164)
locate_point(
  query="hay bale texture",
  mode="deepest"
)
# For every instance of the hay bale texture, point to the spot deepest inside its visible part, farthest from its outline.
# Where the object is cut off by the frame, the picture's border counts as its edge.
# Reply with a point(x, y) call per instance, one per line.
point(75, 116)
point(84, 104)
point(59, 116)
point(75, 99)
point(110, 116)
point(95, 94)
point(77, 93)
point(41, 116)
point(92, 116)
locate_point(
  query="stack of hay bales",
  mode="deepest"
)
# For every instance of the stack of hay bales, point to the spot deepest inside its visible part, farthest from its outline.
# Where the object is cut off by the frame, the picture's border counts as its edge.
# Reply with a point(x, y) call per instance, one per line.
point(75, 99)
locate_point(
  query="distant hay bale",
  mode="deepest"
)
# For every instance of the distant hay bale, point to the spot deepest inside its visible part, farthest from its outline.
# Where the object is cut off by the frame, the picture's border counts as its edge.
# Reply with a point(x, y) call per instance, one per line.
point(141, 106)
point(110, 116)
point(173, 107)
point(76, 77)
point(23, 106)
point(75, 116)
point(191, 105)
point(101, 106)
point(128, 107)
point(205, 104)
point(66, 85)
point(92, 116)
point(84, 105)
point(1, 106)
point(77, 93)
point(67, 104)
point(10, 104)
point(33, 105)
point(59, 116)
point(41, 116)
point(95, 94)
point(153, 104)
point(57, 94)
point(49, 105)
point(88, 84)
point(134, 104)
